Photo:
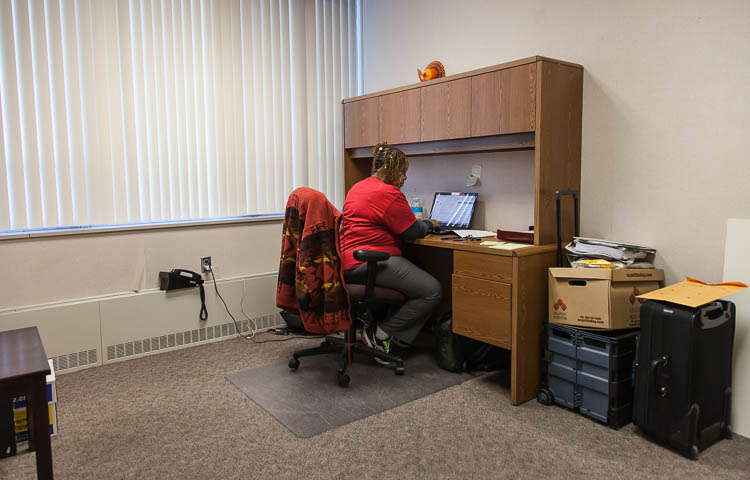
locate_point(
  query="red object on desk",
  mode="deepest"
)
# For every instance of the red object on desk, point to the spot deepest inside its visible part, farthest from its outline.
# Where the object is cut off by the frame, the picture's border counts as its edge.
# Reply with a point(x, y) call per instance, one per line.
point(515, 236)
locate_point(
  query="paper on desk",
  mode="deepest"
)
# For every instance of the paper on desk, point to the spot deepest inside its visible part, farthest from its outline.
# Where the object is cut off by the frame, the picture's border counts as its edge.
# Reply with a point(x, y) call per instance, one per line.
point(473, 233)
point(510, 246)
point(693, 293)
point(500, 245)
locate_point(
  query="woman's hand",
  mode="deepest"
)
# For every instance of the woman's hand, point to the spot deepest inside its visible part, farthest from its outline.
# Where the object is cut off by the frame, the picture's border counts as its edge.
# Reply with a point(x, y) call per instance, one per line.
point(435, 224)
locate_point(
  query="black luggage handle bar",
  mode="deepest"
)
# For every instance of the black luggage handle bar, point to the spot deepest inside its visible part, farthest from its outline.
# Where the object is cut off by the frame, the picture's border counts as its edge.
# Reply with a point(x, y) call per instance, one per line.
point(558, 194)
point(663, 361)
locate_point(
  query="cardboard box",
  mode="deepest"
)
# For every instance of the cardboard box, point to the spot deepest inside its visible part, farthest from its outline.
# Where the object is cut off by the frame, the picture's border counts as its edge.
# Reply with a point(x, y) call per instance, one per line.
point(21, 421)
point(51, 384)
point(599, 298)
point(20, 416)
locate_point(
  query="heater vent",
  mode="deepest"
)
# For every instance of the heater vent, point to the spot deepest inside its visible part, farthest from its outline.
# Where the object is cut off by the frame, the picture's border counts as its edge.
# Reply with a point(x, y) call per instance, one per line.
point(73, 360)
point(168, 341)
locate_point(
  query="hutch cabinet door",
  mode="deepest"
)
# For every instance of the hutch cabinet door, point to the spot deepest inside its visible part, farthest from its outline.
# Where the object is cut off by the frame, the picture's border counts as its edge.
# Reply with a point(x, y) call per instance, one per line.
point(446, 110)
point(399, 117)
point(504, 101)
point(361, 123)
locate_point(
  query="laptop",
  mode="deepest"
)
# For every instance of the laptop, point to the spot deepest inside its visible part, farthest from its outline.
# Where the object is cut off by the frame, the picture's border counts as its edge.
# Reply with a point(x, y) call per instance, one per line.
point(453, 210)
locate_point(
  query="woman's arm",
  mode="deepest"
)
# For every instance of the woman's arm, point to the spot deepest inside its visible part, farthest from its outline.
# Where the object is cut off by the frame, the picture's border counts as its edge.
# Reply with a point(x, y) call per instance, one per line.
point(419, 229)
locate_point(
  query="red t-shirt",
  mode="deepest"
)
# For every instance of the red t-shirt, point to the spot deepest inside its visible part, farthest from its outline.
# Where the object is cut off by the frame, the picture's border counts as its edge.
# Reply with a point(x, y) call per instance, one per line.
point(375, 214)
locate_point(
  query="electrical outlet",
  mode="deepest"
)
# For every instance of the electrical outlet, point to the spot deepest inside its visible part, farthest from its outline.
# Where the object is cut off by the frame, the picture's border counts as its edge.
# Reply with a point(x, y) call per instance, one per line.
point(205, 264)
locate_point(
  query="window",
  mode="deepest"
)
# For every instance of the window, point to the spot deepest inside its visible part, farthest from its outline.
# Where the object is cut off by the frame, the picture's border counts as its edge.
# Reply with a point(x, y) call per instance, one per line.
point(116, 112)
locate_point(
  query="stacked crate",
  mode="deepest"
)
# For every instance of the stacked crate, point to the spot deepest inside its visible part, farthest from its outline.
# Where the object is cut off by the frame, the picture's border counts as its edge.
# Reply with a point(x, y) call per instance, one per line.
point(591, 373)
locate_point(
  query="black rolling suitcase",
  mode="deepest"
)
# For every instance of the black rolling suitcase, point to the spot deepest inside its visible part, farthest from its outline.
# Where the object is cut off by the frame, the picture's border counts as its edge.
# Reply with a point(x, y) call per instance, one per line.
point(683, 383)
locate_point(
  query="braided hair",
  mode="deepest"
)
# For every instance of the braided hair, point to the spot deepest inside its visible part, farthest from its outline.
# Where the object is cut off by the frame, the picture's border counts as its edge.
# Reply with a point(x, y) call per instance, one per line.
point(388, 163)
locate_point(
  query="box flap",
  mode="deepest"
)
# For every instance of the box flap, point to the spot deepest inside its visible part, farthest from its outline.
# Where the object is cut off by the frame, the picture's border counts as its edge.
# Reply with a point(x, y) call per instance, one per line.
point(693, 293)
point(51, 376)
point(638, 275)
point(594, 273)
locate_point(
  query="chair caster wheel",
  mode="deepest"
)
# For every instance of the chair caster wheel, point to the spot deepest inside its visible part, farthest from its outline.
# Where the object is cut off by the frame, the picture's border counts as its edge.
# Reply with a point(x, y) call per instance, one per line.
point(342, 378)
point(544, 396)
point(400, 370)
point(293, 363)
point(693, 453)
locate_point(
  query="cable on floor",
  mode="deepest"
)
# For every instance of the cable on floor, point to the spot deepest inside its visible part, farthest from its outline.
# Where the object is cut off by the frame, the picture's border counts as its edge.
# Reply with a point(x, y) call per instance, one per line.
point(254, 329)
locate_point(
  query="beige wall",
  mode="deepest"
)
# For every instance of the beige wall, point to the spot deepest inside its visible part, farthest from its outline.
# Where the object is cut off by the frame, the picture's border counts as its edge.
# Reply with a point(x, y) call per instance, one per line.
point(666, 105)
point(665, 108)
point(506, 188)
point(73, 267)
point(98, 293)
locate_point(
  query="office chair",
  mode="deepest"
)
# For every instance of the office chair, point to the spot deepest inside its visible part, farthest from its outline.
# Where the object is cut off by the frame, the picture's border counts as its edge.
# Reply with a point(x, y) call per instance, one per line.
point(309, 211)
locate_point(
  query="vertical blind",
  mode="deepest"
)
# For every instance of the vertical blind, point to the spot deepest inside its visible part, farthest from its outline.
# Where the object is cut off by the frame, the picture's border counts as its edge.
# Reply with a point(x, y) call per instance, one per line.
point(131, 111)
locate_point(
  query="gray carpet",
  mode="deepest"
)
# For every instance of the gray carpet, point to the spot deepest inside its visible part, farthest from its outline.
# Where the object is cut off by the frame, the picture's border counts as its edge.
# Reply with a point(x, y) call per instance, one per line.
point(175, 416)
point(309, 401)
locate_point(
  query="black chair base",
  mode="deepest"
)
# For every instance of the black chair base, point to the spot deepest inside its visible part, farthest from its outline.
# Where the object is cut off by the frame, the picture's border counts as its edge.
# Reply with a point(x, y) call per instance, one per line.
point(346, 347)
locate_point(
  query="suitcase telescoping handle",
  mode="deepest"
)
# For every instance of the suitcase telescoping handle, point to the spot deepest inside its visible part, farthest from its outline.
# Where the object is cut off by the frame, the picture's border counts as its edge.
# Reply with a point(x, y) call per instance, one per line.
point(659, 362)
point(714, 315)
point(558, 195)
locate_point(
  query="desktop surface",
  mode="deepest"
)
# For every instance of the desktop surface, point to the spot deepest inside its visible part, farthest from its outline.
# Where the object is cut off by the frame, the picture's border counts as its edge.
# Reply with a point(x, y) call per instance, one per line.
point(473, 245)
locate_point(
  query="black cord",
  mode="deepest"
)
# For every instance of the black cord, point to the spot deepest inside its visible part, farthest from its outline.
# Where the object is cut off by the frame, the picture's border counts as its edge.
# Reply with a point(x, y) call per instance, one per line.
point(287, 339)
point(204, 312)
point(239, 332)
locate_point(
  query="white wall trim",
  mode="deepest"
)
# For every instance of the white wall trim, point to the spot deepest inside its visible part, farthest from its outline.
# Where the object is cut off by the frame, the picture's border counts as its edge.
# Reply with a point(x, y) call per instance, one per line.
point(30, 308)
point(132, 227)
point(113, 328)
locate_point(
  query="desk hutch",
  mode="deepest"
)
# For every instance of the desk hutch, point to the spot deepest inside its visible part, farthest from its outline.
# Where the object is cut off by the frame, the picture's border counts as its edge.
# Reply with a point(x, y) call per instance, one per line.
point(496, 296)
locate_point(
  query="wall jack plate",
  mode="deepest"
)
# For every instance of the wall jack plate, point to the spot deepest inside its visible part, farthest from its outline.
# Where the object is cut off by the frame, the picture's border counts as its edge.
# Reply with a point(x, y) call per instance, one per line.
point(205, 264)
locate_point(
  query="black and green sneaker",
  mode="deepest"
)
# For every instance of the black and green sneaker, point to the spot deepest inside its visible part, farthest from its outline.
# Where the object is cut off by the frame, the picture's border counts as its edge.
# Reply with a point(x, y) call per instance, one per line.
point(373, 342)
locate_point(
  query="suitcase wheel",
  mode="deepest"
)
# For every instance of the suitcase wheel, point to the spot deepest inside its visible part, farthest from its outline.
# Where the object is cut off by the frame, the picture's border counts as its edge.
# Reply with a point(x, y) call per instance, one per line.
point(545, 396)
point(693, 452)
point(728, 432)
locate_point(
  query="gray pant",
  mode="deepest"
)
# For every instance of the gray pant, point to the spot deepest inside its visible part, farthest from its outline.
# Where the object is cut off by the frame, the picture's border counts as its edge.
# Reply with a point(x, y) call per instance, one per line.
point(422, 290)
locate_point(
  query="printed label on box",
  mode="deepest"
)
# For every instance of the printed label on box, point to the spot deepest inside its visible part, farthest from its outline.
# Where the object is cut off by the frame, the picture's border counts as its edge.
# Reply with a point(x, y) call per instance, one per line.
point(21, 422)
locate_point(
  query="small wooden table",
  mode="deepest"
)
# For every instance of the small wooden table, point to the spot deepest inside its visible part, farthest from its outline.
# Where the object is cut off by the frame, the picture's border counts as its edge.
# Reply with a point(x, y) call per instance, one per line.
point(23, 371)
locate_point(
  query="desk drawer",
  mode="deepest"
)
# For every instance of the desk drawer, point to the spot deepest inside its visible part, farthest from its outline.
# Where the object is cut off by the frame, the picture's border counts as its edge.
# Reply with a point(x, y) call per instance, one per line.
point(482, 310)
point(496, 268)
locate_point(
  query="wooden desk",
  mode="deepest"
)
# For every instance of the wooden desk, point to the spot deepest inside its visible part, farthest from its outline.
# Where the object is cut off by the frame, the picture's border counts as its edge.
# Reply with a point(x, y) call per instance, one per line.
point(23, 371)
point(535, 103)
point(496, 296)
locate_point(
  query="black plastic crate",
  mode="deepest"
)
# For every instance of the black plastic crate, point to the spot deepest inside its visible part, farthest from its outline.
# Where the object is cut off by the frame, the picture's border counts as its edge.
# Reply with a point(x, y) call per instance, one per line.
point(562, 366)
point(591, 372)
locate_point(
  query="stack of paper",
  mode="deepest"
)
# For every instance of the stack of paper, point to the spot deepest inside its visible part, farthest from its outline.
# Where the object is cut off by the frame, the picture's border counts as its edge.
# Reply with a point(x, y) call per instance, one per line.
point(619, 254)
point(473, 233)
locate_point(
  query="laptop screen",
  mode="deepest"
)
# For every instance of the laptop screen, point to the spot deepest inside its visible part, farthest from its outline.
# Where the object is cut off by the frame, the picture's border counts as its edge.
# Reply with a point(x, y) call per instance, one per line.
point(453, 209)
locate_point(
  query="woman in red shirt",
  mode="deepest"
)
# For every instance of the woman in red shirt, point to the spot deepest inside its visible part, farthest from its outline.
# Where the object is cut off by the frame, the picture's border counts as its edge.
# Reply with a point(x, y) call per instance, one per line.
point(378, 217)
